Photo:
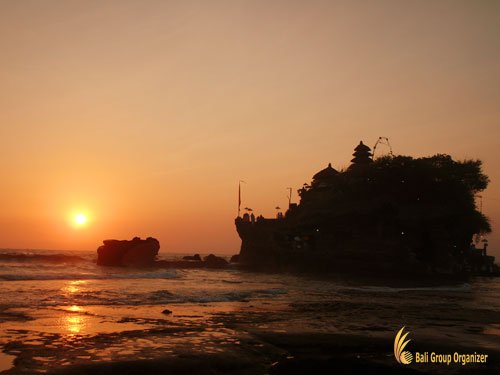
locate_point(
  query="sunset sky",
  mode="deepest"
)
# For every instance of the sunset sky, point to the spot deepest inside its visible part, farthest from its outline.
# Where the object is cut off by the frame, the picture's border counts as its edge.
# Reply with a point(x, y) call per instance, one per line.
point(143, 115)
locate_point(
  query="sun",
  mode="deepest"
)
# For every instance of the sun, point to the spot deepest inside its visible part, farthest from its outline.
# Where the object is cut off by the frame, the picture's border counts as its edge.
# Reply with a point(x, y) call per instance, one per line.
point(80, 219)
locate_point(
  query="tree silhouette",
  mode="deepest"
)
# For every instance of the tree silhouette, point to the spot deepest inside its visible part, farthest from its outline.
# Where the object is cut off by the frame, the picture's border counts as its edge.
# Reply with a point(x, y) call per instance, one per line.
point(424, 204)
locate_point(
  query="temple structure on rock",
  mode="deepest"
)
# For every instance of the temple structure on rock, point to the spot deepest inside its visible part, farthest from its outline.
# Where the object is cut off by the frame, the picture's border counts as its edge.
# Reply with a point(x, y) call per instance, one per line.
point(393, 214)
point(362, 155)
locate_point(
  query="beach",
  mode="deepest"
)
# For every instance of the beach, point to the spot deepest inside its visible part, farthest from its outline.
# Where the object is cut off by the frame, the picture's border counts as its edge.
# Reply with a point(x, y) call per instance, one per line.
point(66, 315)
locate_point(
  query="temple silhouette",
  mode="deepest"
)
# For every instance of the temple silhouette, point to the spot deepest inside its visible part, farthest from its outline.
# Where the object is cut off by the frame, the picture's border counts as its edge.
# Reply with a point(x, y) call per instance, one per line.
point(393, 215)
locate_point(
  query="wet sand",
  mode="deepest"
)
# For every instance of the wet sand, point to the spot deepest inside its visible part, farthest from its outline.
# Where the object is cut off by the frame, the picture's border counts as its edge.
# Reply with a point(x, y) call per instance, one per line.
point(230, 322)
point(248, 337)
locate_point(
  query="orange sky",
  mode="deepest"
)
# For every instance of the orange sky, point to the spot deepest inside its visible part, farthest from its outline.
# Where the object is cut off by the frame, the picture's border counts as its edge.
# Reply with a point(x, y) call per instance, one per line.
point(145, 114)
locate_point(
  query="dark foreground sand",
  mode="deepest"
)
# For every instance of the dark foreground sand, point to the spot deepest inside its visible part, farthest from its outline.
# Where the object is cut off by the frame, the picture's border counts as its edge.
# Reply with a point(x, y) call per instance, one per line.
point(308, 328)
point(293, 354)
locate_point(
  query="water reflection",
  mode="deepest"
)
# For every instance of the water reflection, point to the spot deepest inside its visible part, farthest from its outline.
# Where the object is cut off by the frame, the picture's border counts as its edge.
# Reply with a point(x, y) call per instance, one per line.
point(73, 286)
point(75, 308)
point(6, 361)
point(74, 324)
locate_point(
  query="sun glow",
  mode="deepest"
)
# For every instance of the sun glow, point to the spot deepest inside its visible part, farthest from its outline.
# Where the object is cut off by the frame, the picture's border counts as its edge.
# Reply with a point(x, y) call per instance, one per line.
point(80, 219)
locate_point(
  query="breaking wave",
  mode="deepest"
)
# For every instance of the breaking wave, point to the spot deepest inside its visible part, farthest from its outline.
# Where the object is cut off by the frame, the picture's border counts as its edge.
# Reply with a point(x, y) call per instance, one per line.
point(49, 258)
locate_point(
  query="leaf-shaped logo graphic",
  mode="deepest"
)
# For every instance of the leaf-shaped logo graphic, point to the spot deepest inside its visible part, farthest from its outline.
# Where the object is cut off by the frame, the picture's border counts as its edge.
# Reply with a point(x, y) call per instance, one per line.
point(406, 358)
point(399, 344)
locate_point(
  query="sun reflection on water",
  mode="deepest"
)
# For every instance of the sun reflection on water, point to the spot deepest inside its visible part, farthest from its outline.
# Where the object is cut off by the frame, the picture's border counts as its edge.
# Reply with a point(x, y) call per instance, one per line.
point(73, 286)
point(75, 308)
point(74, 324)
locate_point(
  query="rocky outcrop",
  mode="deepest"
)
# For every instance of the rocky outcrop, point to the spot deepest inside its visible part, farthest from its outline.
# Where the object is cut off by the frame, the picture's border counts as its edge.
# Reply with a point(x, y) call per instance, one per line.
point(196, 257)
point(212, 261)
point(134, 253)
point(142, 253)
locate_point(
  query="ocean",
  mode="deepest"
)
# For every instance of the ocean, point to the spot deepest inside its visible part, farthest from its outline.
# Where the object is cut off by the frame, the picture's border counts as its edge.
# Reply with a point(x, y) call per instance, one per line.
point(61, 313)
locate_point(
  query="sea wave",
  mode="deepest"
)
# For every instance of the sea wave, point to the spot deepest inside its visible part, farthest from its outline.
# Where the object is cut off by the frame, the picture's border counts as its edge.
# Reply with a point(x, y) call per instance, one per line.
point(272, 291)
point(234, 296)
point(171, 274)
point(110, 297)
point(30, 257)
point(387, 289)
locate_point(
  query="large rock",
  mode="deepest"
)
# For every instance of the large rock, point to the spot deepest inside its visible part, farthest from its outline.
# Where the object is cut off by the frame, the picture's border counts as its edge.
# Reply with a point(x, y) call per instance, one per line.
point(134, 253)
point(212, 261)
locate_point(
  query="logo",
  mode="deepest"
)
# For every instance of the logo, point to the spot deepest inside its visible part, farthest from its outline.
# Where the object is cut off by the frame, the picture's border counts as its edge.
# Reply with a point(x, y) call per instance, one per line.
point(404, 357)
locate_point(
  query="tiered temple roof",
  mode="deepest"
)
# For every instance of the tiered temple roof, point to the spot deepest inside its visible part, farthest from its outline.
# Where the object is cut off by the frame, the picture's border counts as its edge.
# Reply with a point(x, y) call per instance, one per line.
point(362, 154)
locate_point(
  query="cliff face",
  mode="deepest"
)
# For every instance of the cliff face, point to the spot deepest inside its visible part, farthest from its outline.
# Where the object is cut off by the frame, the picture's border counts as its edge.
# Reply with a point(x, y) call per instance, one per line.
point(260, 242)
point(279, 245)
